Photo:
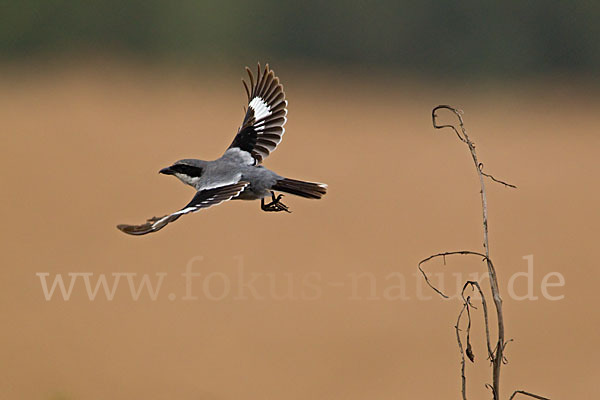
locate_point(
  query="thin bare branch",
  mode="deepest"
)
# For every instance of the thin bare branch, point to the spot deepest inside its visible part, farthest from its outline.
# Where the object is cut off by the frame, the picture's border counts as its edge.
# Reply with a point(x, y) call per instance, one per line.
point(448, 253)
point(480, 166)
point(488, 386)
point(535, 396)
point(462, 354)
point(504, 359)
point(473, 285)
point(436, 126)
point(469, 349)
point(497, 356)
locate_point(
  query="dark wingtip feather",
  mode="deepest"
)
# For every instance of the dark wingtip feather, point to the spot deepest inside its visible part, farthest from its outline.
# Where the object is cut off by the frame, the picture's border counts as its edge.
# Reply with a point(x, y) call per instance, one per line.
point(246, 88)
point(258, 76)
point(135, 229)
point(250, 76)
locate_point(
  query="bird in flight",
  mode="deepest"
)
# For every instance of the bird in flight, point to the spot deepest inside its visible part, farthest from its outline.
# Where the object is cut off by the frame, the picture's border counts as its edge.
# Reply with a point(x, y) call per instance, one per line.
point(238, 174)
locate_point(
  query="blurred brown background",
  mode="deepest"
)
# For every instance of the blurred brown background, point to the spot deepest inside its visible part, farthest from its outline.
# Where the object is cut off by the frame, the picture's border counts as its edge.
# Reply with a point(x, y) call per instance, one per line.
point(86, 127)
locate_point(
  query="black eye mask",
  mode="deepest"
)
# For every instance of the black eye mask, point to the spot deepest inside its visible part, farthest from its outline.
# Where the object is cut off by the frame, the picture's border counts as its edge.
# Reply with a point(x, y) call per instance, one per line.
point(194, 172)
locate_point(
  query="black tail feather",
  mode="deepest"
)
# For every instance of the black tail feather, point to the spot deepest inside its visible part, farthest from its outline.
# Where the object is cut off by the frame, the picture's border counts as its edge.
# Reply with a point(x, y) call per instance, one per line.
point(308, 190)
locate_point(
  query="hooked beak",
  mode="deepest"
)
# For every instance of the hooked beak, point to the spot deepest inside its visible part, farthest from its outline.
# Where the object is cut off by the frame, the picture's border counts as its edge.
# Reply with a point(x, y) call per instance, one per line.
point(166, 171)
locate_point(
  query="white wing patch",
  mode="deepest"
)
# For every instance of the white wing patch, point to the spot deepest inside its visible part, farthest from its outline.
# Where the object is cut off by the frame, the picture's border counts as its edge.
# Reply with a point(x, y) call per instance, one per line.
point(180, 212)
point(239, 155)
point(260, 107)
point(262, 127)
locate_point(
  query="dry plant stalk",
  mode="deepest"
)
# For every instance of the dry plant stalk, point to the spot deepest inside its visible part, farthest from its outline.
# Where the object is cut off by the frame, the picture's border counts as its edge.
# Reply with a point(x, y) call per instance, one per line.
point(496, 355)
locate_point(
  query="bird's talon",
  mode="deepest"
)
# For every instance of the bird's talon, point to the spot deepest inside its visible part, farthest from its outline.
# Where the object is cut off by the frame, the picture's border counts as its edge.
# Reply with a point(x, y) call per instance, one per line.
point(275, 205)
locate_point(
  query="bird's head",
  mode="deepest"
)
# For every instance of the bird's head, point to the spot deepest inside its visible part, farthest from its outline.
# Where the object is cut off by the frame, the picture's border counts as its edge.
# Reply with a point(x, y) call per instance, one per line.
point(187, 171)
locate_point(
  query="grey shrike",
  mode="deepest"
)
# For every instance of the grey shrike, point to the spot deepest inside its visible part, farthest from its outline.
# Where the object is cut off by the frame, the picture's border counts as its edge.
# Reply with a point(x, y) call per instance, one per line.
point(238, 173)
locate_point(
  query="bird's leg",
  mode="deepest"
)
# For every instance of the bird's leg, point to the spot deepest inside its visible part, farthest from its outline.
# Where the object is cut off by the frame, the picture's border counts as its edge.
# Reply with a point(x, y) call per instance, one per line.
point(275, 205)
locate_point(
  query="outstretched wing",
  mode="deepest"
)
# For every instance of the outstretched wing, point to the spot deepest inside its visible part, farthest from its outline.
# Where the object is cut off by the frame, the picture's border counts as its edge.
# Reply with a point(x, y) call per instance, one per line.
point(262, 128)
point(202, 199)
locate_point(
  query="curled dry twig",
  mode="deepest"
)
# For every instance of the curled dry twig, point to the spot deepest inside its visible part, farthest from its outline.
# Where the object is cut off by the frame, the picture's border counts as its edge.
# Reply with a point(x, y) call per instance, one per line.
point(448, 253)
point(496, 356)
point(475, 285)
point(480, 166)
point(469, 349)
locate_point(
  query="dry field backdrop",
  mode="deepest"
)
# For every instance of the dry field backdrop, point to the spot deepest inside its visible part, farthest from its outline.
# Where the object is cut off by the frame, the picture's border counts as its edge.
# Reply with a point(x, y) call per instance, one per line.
point(81, 148)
